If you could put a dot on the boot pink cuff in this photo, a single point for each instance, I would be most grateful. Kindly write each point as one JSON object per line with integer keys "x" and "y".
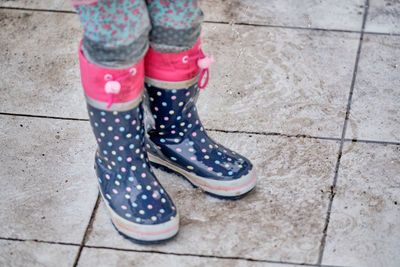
{"x": 177, "y": 67}
{"x": 111, "y": 85}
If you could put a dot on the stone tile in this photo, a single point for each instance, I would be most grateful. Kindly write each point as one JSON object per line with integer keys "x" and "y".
{"x": 278, "y": 80}
{"x": 39, "y": 4}
{"x": 49, "y": 187}
{"x": 331, "y": 14}
{"x": 364, "y": 228}
{"x": 15, "y": 253}
{"x": 383, "y": 16}
{"x": 287, "y": 81}
{"x": 39, "y": 71}
{"x": 106, "y": 257}
{"x": 375, "y": 108}
{"x": 282, "y": 220}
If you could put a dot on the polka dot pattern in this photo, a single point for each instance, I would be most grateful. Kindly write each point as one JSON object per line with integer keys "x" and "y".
{"x": 126, "y": 180}
{"x": 182, "y": 140}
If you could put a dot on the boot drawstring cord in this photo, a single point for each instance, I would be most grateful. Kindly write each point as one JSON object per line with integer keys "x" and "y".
{"x": 113, "y": 85}
{"x": 204, "y": 62}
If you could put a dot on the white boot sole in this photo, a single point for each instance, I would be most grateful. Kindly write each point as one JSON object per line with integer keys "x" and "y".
{"x": 232, "y": 188}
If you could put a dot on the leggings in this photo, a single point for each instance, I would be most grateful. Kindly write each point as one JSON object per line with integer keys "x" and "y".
{"x": 117, "y": 33}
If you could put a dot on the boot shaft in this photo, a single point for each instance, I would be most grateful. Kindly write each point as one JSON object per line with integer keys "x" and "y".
{"x": 174, "y": 111}
{"x": 118, "y": 134}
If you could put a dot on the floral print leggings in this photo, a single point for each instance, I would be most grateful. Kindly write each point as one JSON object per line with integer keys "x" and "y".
{"x": 117, "y": 33}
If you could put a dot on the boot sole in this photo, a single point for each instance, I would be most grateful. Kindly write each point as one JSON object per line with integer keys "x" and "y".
{"x": 144, "y": 234}
{"x": 141, "y": 242}
{"x": 233, "y": 189}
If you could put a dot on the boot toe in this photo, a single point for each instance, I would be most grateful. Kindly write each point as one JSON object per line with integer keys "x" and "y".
{"x": 145, "y": 221}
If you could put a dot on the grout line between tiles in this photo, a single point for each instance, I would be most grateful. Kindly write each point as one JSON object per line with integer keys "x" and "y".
{"x": 301, "y": 28}
{"x": 220, "y": 22}
{"x": 280, "y": 26}
{"x": 382, "y": 33}
{"x": 199, "y": 255}
{"x": 275, "y": 134}
{"x": 38, "y": 241}
{"x": 336, "y": 172}
{"x": 354, "y": 140}
{"x": 88, "y": 230}
{"x": 372, "y": 142}
{"x": 39, "y": 9}
{"x": 42, "y": 116}
{"x": 158, "y": 252}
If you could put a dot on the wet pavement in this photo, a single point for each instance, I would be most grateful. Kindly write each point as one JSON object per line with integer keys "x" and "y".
{"x": 308, "y": 90}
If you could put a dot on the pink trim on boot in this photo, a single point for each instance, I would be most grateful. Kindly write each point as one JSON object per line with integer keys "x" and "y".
{"x": 177, "y": 67}
{"x": 111, "y": 85}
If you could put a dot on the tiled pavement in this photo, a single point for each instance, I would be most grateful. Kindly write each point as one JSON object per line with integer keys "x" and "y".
{"x": 308, "y": 90}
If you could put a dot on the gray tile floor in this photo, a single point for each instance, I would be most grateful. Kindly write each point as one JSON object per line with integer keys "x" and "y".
{"x": 308, "y": 90}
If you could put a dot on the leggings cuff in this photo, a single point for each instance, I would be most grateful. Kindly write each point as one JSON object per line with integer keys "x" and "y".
{"x": 115, "y": 57}
{"x": 168, "y": 40}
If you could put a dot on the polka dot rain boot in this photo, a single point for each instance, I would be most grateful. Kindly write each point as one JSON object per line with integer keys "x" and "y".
{"x": 139, "y": 207}
{"x": 178, "y": 140}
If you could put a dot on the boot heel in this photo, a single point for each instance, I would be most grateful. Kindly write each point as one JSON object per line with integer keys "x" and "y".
{"x": 168, "y": 170}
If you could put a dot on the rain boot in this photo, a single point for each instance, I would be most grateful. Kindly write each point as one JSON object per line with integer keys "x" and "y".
{"x": 139, "y": 207}
{"x": 178, "y": 140}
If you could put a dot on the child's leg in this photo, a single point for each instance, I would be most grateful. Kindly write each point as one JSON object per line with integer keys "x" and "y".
{"x": 176, "y": 25}
{"x": 175, "y": 66}
{"x": 112, "y": 73}
{"x": 116, "y": 32}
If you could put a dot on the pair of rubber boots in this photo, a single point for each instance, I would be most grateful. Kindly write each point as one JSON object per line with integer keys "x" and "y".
{"x": 140, "y": 208}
